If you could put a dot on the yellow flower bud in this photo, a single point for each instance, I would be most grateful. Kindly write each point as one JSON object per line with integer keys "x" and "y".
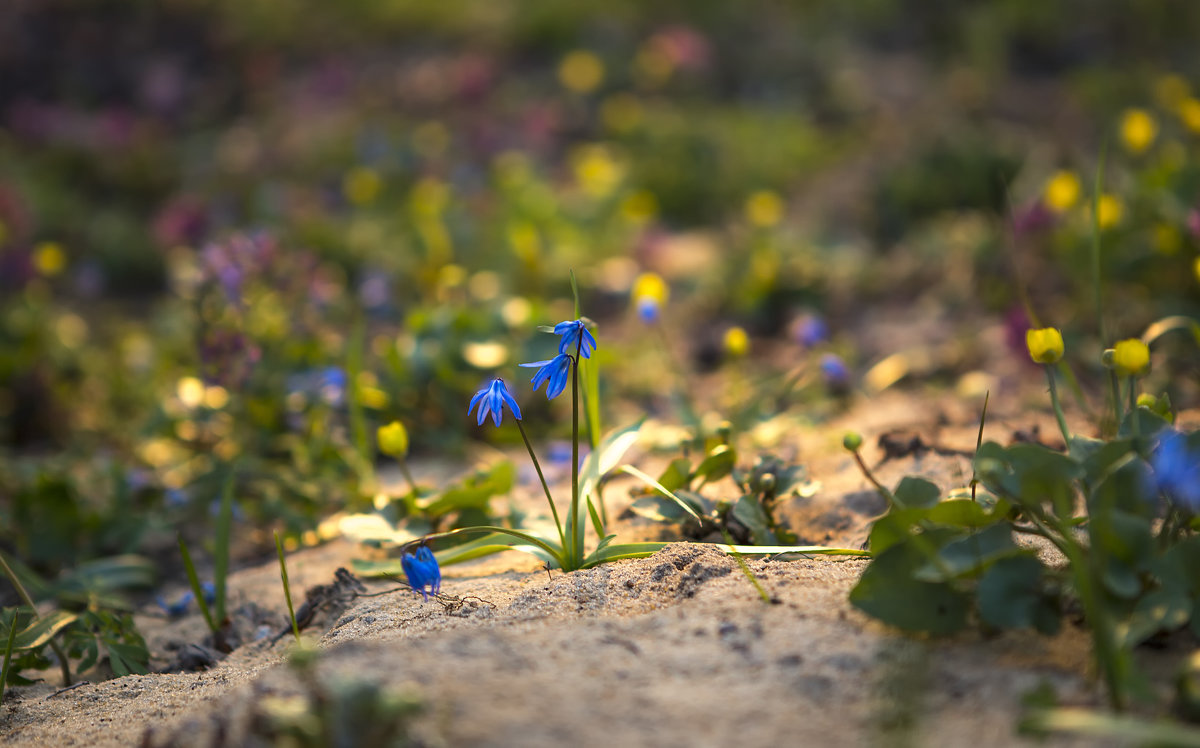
{"x": 650, "y": 286}
{"x": 1138, "y": 130}
{"x": 1045, "y": 345}
{"x": 1131, "y": 357}
{"x": 1062, "y": 191}
{"x": 393, "y": 439}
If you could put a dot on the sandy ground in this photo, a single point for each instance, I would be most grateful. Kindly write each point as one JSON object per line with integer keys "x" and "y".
{"x": 675, "y": 649}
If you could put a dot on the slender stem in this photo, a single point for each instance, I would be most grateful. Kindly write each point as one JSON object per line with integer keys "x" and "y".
{"x": 538, "y": 467}
{"x": 866, "y": 471}
{"x": 1135, "y": 422}
{"x": 1115, "y": 385}
{"x": 412, "y": 484}
{"x": 1062, "y": 421}
{"x": 287, "y": 590}
{"x": 576, "y": 527}
{"x": 16, "y": 582}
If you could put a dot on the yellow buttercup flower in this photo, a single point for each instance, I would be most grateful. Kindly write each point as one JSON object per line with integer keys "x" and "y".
{"x": 49, "y": 258}
{"x": 737, "y": 342}
{"x": 1045, "y": 345}
{"x": 1131, "y": 357}
{"x": 1189, "y": 114}
{"x": 1138, "y": 130}
{"x": 1061, "y": 191}
{"x": 393, "y": 439}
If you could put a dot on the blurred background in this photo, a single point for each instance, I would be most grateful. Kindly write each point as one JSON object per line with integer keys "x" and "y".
{"x": 251, "y": 231}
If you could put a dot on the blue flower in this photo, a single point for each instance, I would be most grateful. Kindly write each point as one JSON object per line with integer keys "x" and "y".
{"x": 647, "y": 309}
{"x": 175, "y": 609}
{"x": 555, "y": 370}
{"x": 572, "y": 331}
{"x": 810, "y": 331}
{"x": 1178, "y": 470}
{"x": 492, "y": 399}
{"x": 421, "y": 568}
{"x": 834, "y": 371}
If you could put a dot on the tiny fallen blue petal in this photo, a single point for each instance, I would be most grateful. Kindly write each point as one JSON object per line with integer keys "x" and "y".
{"x": 556, "y": 371}
{"x": 424, "y": 574}
{"x": 1177, "y": 470}
{"x": 575, "y": 335}
{"x": 492, "y": 399}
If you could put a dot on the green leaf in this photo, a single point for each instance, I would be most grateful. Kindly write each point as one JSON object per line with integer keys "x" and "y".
{"x": 1010, "y": 594}
{"x": 962, "y": 513}
{"x": 600, "y": 461}
{"x": 1164, "y": 609}
{"x": 889, "y": 591}
{"x": 718, "y": 464}
{"x": 1149, "y": 423}
{"x": 661, "y": 509}
{"x": 631, "y": 470}
{"x": 754, "y": 518}
{"x": 677, "y": 474}
{"x": 916, "y": 493}
{"x": 970, "y": 555}
{"x": 41, "y": 630}
{"x": 472, "y": 492}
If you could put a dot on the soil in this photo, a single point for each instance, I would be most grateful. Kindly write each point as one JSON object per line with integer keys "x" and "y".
{"x": 674, "y": 649}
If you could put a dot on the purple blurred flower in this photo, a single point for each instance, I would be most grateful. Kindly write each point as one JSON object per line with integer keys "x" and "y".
{"x": 1033, "y": 218}
{"x": 810, "y": 330}
{"x": 834, "y": 372}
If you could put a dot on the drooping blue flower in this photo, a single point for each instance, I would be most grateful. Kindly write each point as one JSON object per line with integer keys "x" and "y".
{"x": 1177, "y": 470}
{"x": 492, "y": 399}
{"x": 556, "y": 370}
{"x": 177, "y": 608}
{"x": 572, "y": 331}
{"x": 810, "y": 331}
{"x": 421, "y": 568}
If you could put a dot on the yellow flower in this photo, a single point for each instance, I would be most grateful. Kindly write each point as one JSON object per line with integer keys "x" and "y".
{"x": 1131, "y": 357}
{"x": 1045, "y": 345}
{"x": 1109, "y": 211}
{"x": 1061, "y": 191}
{"x": 764, "y": 208}
{"x": 393, "y": 439}
{"x": 1138, "y": 130}
{"x": 1196, "y": 269}
{"x": 49, "y": 258}
{"x": 581, "y": 71}
{"x": 650, "y": 286}
{"x": 737, "y": 342}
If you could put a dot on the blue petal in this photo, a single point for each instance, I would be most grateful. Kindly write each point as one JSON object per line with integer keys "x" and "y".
{"x": 588, "y": 340}
{"x": 559, "y": 381}
{"x": 540, "y": 376}
{"x": 475, "y": 400}
{"x": 536, "y": 364}
{"x": 562, "y": 328}
{"x": 483, "y": 411}
{"x": 512, "y": 404}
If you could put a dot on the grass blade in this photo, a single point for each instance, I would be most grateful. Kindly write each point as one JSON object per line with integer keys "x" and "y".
{"x": 8, "y": 650}
{"x": 1087, "y": 723}
{"x": 762, "y": 592}
{"x": 287, "y": 590}
{"x": 194, "y": 581}
{"x": 631, "y": 470}
{"x": 221, "y": 549}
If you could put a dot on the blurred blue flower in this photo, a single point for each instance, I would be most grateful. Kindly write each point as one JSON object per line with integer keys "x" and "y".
{"x": 177, "y": 608}
{"x": 834, "y": 371}
{"x": 210, "y": 593}
{"x": 810, "y": 330}
{"x": 572, "y": 331}
{"x": 647, "y": 309}
{"x": 421, "y": 568}
{"x": 492, "y": 399}
{"x": 555, "y": 370}
{"x": 1177, "y": 470}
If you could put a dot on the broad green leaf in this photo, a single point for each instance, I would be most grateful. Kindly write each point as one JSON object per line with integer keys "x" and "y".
{"x": 600, "y": 461}
{"x": 754, "y": 518}
{"x": 718, "y": 464}
{"x": 677, "y": 474}
{"x": 1164, "y": 609}
{"x": 1010, "y": 595}
{"x": 970, "y": 555}
{"x": 661, "y": 509}
{"x": 889, "y": 591}
{"x": 42, "y": 630}
{"x": 1149, "y": 423}
{"x": 916, "y": 493}
{"x": 961, "y": 513}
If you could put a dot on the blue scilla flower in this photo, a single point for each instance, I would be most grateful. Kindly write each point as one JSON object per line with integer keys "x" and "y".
{"x": 647, "y": 309}
{"x": 421, "y": 568}
{"x": 810, "y": 331}
{"x": 1177, "y": 470}
{"x": 575, "y": 335}
{"x": 492, "y": 399}
{"x": 177, "y": 608}
{"x": 834, "y": 371}
{"x": 555, "y": 370}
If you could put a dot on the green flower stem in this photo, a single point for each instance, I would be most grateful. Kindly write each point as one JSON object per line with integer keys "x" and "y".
{"x": 575, "y": 526}
{"x": 16, "y": 582}
{"x": 866, "y": 471}
{"x": 412, "y": 484}
{"x": 1115, "y": 385}
{"x": 1136, "y": 422}
{"x": 1058, "y": 413}
{"x": 537, "y": 466}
